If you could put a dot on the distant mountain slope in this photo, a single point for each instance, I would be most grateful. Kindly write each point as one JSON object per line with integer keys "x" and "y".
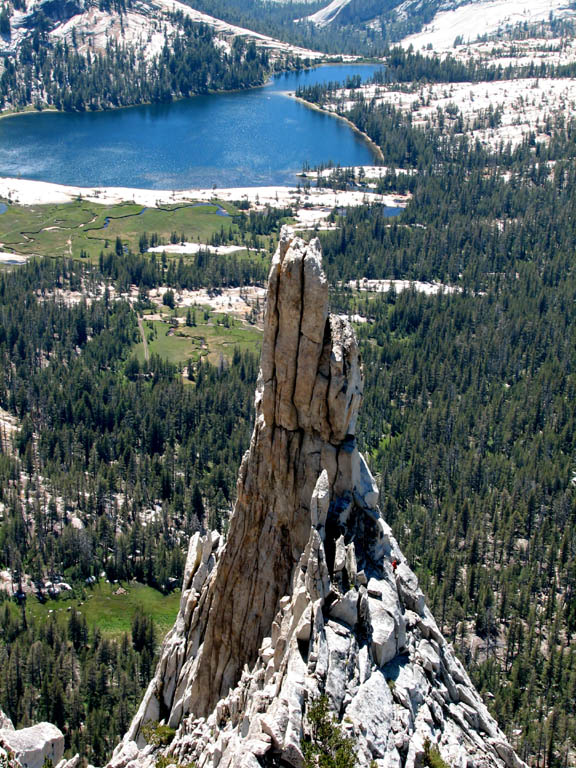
{"x": 483, "y": 17}
{"x": 145, "y": 23}
{"x": 81, "y": 54}
{"x": 437, "y": 22}
{"x": 395, "y": 17}
{"x": 326, "y": 15}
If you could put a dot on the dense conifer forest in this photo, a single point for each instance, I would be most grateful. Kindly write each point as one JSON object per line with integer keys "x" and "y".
{"x": 469, "y": 417}
{"x": 362, "y": 27}
{"x": 140, "y": 455}
{"x": 74, "y": 677}
{"x": 59, "y": 75}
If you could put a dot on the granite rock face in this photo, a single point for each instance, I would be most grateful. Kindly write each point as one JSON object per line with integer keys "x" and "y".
{"x": 32, "y": 746}
{"x": 310, "y": 594}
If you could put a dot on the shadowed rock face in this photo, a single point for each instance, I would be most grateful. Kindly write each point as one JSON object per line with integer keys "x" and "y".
{"x": 55, "y": 10}
{"x": 310, "y": 594}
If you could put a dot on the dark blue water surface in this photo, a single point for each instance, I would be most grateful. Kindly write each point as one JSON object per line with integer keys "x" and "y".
{"x": 250, "y": 138}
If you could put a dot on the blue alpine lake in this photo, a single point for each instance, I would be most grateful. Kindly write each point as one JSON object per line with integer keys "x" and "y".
{"x": 248, "y": 138}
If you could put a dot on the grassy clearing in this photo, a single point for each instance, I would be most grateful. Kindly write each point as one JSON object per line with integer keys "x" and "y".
{"x": 112, "y": 613}
{"x": 86, "y": 228}
{"x": 210, "y": 338}
{"x": 172, "y": 348}
{"x": 43, "y": 229}
{"x": 197, "y": 223}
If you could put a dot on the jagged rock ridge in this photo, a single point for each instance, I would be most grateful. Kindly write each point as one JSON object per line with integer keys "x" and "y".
{"x": 310, "y": 593}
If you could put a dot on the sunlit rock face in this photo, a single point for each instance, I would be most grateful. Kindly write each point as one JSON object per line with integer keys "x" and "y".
{"x": 309, "y": 594}
{"x": 32, "y": 746}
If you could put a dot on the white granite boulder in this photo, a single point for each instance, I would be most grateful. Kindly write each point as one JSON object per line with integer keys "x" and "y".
{"x": 32, "y": 746}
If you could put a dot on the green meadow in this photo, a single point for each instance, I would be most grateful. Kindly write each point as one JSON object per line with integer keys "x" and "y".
{"x": 215, "y": 335}
{"x": 83, "y": 228}
{"x": 111, "y": 607}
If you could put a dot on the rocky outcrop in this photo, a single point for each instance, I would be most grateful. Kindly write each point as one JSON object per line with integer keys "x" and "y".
{"x": 32, "y": 746}
{"x": 58, "y": 11}
{"x": 310, "y": 594}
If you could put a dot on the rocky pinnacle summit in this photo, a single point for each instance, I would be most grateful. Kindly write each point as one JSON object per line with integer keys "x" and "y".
{"x": 309, "y": 595}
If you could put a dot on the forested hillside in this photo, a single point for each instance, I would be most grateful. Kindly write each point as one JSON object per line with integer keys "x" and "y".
{"x": 363, "y": 27}
{"x": 469, "y": 418}
{"x": 112, "y": 469}
{"x": 48, "y": 74}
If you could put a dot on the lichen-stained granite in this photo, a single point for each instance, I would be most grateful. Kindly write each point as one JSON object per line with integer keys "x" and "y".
{"x": 310, "y": 594}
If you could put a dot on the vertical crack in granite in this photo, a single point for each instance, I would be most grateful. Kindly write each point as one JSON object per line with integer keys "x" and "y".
{"x": 310, "y": 594}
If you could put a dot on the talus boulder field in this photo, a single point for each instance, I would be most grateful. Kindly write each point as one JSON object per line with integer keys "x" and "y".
{"x": 309, "y": 595}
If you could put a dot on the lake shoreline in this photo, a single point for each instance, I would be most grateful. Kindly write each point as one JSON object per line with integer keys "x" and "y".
{"x": 25, "y": 192}
{"x": 371, "y": 143}
{"x": 245, "y": 136}
{"x": 6, "y": 114}
{"x": 32, "y": 110}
